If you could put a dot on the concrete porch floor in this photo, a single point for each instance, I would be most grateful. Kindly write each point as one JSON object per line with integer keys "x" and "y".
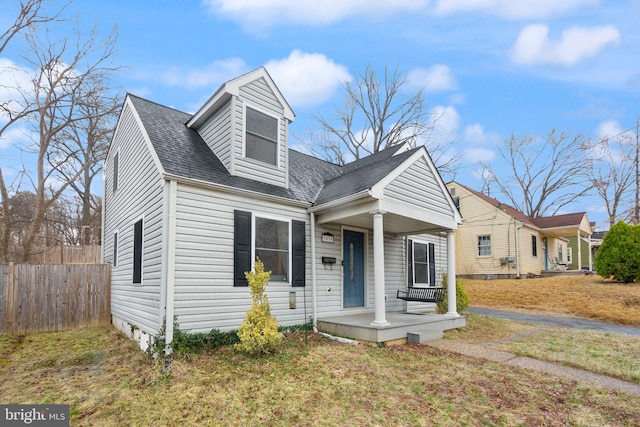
{"x": 414, "y": 327}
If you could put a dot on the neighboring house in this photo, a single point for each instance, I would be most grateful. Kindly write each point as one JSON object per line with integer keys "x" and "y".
{"x": 191, "y": 200}
{"x": 497, "y": 240}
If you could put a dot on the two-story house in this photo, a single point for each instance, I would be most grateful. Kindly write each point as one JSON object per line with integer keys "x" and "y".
{"x": 191, "y": 200}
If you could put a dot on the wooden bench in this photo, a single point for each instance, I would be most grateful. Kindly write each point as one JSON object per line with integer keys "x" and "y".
{"x": 430, "y": 294}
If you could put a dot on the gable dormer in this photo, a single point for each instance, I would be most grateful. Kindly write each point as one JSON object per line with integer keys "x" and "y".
{"x": 246, "y": 124}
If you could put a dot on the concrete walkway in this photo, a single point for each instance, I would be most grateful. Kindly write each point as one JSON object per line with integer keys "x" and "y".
{"x": 483, "y": 351}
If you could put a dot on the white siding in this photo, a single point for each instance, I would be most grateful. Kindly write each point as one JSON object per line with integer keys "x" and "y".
{"x": 205, "y": 297}
{"x": 420, "y": 187}
{"x": 259, "y": 95}
{"x": 139, "y": 195}
{"x": 217, "y": 134}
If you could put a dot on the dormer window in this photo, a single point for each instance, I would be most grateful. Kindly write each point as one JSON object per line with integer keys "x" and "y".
{"x": 261, "y": 137}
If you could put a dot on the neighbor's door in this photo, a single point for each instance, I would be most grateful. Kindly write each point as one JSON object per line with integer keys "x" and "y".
{"x": 353, "y": 268}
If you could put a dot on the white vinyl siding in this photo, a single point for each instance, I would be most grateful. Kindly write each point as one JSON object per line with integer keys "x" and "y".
{"x": 205, "y": 295}
{"x": 217, "y": 133}
{"x": 139, "y": 195}
{"x": 418, "y": 186}
{"x": 259, "y": 96}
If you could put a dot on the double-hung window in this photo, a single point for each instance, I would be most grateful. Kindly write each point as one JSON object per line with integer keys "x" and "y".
{"x": 422, "y": 267}
{"x": 279, "y": 243}
{"x": 261, "y": 136}
{"x": 484, "y": 245}
{"x": 271, "y": 245}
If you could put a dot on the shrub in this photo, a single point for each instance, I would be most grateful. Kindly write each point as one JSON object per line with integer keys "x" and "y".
{"x": 462, "y": 298}
{"x": 259, "y": 331}
{"x": 617, "y": 257}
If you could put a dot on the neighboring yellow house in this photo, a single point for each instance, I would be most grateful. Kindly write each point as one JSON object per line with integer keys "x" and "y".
{"x": 497, "y": 240}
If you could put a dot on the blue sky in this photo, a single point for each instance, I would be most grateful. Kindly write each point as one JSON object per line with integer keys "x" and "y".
{"x": 490, "y": 68}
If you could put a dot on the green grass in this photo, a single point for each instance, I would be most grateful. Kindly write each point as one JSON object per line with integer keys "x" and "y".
{"x": 108, "y": 381}
{"x": 601, "y": 352}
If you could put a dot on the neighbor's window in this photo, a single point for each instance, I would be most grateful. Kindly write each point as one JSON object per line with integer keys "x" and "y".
{"x": 272, "y": 246}
{"x": 137, "y": 252}
{"x": 534, "y": 245}
{"x": 484, "y": 245}
{"x": 261, "y": 138}
{"x": 569, "y": 255}
{"x": 560, "y": 258}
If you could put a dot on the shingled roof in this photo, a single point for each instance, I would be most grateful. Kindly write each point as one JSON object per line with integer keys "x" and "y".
{"x": 544, "y": 222}
{"x": 182, "y": 152}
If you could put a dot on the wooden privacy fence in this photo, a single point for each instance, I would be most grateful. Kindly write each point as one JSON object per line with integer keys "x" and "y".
{"x": 38, "y": 298}
{"x": 81, "y": 254}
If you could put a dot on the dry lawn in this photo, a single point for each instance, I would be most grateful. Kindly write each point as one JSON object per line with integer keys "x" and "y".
{"x": 577, "y": 296}
{"x": 109, "y": 382}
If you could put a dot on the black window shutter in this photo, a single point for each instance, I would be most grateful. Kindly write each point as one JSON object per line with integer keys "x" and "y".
{"x": 410, "y": 263}
{"x": 137, "y": 252}
{"x": 432, "y": 264}
{"x": 241, "y": 247}
{"x": 299, "y": 259}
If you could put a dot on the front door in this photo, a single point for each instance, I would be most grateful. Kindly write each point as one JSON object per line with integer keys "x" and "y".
{"x": 353, "y": 268}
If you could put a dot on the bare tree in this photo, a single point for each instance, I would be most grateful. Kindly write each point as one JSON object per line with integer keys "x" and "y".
{"x": 378, "y": 112}
{"x": 85, "y": 143}
{"x": 32, "y": 13}
{"x": 542, "y": 176}
{"x": 612, "y": 173}
{"x": 69, "y": 72}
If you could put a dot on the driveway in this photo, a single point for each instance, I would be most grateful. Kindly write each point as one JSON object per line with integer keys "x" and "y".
{"x": 559, "y": 322}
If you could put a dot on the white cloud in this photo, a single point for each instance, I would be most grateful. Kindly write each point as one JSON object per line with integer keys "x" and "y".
{"x": 307, "y": 79}
{"x": 437, "y": 78}
{"x": 15, "y": 82}
{"x": 16, "y": 136}
{"x": 513, "y": 9}
{"x": 476, "y": 134}
{"x": 608, "y": 129}
{"x": 445, "y": 121}
{"x": 214, "y": 74}
{"x": 256, "y": 15}
{"x": 475, "y": 155}
{"x": 576, "y": 43}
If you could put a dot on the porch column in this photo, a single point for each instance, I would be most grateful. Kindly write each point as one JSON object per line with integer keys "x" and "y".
{"x": 579, "y": 250}
{"x": 451, "y": 275}
{"x": 378, "y": 269}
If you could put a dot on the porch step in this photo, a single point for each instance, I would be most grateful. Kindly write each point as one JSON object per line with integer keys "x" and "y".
{"x": 424, "y": 336}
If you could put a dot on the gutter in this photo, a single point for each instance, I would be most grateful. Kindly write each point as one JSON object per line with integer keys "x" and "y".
{"x": 236, "y": 190}
{"x": 342, "y": 201}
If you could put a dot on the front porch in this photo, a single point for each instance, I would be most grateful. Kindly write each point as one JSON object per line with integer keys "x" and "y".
{"x": 413, "y": 327}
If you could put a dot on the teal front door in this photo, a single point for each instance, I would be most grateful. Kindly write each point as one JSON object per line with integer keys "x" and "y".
{"x": 353, "y": 268}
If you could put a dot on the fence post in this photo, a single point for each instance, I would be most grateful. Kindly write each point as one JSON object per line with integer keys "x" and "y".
{"x": 10, "y": 304}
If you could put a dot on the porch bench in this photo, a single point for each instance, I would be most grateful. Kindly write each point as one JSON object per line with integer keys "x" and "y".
{"x": 429, "y": 294}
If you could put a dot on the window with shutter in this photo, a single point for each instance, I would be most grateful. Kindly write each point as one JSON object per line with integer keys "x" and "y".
{"x": 137, "y": 251}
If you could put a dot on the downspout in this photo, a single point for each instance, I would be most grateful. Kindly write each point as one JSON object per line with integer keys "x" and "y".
{"x": 314, "y": 314}
{"x": 518, "y": 250}
{"x": 171, "y": 264}
{"x": 104, "y": 208}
